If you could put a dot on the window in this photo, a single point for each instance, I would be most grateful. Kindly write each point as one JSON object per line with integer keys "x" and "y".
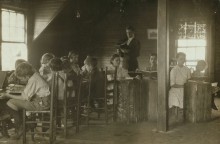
{"x": 192, "y": 41}
{"x": 13, "y": 45}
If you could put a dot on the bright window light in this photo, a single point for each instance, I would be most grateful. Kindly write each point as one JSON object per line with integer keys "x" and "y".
{"x": 10, "y": 53}
{"x": 195, "y": 49}
{"x": 13, "y": 38}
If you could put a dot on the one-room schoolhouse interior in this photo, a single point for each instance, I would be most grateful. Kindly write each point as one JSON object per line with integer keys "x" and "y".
{"x": 110, "y": 71}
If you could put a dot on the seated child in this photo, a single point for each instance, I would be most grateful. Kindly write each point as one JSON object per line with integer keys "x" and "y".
{"x": 115, "y": 63}
{"x": 178, "y": 77}
{"x": 199, "y": 74}
{"x": 36, "y": 95}
{"x": 74, "y": 58}
{"x": 44, "y": 70}
{"x": 96, "y": 79}
{"x": 72, "y": 78}
{"x": 55, "y": 65}
{"x": 200, "y": 68}
{"x": 152, "y": 66}
{"x": 12, "y": 78}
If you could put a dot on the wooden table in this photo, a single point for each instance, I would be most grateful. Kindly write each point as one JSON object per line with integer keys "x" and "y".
{"x": 197, "y": 101}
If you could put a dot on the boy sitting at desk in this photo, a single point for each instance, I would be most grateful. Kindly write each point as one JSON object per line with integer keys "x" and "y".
{"x": 35, "y": 96}
{"x": 96, "y": 80}
{"x": 44, "y": 70}
{"x": 152, "y": 66}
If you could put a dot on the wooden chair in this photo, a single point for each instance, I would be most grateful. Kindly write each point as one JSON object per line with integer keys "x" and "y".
{"x": 3, "y": 126}
{"x": 70, "y": 107}
{"x": 109, "y": 94}
{"x": 41, "y": 119}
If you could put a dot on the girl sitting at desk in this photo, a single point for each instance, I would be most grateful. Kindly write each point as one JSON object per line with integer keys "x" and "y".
{"x": 178, "y": 77}
{"x": 34, "y": 97}
{"x": 116, "y": 63}
{"x": 12, "y": 78}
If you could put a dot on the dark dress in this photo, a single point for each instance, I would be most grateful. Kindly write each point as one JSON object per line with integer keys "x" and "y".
{"x": 96, "y": 87}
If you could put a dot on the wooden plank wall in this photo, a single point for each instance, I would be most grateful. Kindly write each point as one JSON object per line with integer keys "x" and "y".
{"x": 111, "y": 29}
{"x": 45, "y": 11}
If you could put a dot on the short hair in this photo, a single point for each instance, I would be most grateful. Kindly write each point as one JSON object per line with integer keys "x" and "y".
{"x": 24, "y": 69}
{"x": 19, "y": 61}
{"x": 91, "y": 61}
{"x": 153, "y": 54}
{"x": 131, "y": 28}
{"x": 202, "y": 62}
{"x": 113, "y": 57}
{"x": 46, "y": 58}
{"x": 66, "y": 64}
{"x": 55, "y": 64}
{"x": 71, "y": 53}
{"x": 179, "y": 54}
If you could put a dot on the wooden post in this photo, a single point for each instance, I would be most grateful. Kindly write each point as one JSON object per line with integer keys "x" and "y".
{"x": 163, "y": 65}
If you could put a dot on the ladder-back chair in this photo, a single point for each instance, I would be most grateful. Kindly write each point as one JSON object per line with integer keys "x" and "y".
{"x": 44, "y": 118}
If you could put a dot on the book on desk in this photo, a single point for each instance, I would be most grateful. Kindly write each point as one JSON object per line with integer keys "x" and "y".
{"x": 150, "y": 74}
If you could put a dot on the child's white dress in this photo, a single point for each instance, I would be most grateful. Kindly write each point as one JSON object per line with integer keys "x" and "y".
{"x": 178, "y": 75}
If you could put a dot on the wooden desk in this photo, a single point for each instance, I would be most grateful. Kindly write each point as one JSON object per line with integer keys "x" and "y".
{"x": 152, "y": 94}
{"x": 132, "y": 100}
{"x": 197, "y": 101}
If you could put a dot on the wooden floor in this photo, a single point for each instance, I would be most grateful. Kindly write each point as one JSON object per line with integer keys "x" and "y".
{"x": 141, "y": 133}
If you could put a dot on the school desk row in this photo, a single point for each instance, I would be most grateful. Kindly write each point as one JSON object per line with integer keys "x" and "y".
{"x": 137, "y": 100}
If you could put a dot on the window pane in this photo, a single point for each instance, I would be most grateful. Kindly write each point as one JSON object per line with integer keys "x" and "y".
{"x": 13, "y": 26}
{"x": 191, "y": 42}
{"x": 5, "y": 18}
{"x": 12, "y": 34}
{"x": 200, "y": 53}
{"x": 10, "y": 53}
{"x": 5, "y": 34}
{"x": 12, "y": 19}
{"x": 181, "y": 50}
{"x": 191, "y": 63}
{"x": 20, "y": 35}
{"x": 190, "y": 54}
{"x": 20, "y": 20}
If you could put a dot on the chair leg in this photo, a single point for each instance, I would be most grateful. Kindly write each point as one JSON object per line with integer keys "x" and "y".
{"x": 32, "y": 134}
{"x": 24, "y": 127}
{"x": 77, "y": 117}
{"x": 106, "y": 112}
{"x": 65, "y": 121}
{"x": 87, "y": 116}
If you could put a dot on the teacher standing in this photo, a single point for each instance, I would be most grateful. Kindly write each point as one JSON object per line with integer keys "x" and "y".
{"x": 130, "y": 49}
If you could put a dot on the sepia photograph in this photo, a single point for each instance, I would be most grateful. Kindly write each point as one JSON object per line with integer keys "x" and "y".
{"x": 109, "y": 71}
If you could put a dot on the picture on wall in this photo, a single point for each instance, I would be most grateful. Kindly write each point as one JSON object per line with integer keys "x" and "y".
{"x": 152, "y": 33}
